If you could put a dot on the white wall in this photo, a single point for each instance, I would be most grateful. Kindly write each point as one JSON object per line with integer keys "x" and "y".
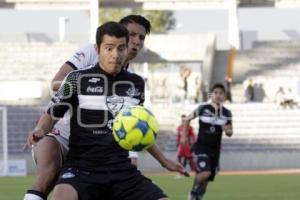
{"x": 15, "y": 23}
{"x": 255, "y": 24}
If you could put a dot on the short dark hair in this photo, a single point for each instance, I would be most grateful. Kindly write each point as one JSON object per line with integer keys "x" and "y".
{"x": 218, "y": 85}
{"x": 112, "y": 29}
{"x": 137, "y": 19}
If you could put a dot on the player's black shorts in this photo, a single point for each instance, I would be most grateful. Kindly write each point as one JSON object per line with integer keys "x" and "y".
{"x": 111, "y": 185}
{"x": 207, "y": 162}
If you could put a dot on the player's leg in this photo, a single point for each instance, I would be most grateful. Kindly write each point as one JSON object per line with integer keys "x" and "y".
{"x": 203, "y": 164}
{"x": 184, "y": 161}
{"x": 179, "y": 158}
{"x": 192, "y": 163}
{"x": 199, "y": 186}
{"x": 64, "y": 192}
{"x": 48, "y": 160}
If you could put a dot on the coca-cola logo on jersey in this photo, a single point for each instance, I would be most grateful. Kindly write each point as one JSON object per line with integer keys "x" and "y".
{"x": 94, "y": 89}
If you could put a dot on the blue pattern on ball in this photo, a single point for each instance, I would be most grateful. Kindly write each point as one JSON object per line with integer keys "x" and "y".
{"x": 143, "y": 126}
{"x": 121, "y": 133}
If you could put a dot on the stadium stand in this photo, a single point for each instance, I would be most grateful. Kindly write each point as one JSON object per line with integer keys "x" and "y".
{"x": 270, "y": 63}
{"x": 30, "y": 66}
{"x": 39, "y": 60}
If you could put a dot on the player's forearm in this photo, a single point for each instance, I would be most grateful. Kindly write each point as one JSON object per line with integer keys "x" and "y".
{"x": 158, "y": 155}
{"x": 45, "y": 124}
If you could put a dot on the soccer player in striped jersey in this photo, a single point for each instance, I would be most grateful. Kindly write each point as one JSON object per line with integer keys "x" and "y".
{"x": 51, "y": 151}
{"x": 214, "y": 119}
{"x": 96, "y": 166}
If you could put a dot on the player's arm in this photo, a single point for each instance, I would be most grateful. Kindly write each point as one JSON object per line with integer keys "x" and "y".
{"x": 227, "y": 128}
{"x": 190, "y": 117}
{"x": 186, "y": 125}
{"x": 165, "y": 162}
{"x": 81, "y": 58}
{"x": 44, "y": 126}
{"x": 192, "y": 134}
{"x": 59, "y": 104}
{"x": 64, "y": 70}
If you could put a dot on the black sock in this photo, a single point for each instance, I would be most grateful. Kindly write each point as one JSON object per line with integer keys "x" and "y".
{"x": 198, "y": 190}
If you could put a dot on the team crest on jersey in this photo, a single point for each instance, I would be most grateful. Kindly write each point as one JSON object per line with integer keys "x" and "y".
{"x": 114, "y": 104}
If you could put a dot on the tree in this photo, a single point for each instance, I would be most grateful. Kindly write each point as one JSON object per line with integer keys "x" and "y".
{"x": 161, "y": 21}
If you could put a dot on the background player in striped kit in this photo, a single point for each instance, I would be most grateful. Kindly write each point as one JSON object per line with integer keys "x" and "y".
{"x": 214, "y": 119}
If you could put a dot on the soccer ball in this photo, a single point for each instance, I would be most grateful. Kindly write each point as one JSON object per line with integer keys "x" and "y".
{"x": 135, "y": 128}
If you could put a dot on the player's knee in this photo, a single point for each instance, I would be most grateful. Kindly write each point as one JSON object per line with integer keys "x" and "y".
{"x": 64, "y": 192}
{"x": 203, "y": 176}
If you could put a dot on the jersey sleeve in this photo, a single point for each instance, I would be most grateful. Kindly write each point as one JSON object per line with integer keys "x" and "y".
{"x": 83, "y": 57}
{"x": 63, "y": 99}
{"x": 197, "y": 111}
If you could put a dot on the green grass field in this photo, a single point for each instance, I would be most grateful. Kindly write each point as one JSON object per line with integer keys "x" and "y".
{"x": 225, "y": 187}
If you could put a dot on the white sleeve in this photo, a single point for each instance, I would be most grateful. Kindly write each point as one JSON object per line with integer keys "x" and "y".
{"x": 133, "y": 154}
{"x": 84, "y": 57}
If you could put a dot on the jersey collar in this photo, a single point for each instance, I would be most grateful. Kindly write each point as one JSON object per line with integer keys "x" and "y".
{"x": 101, "y": 71}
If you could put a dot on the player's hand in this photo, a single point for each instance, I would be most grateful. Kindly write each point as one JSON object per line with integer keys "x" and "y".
{"x": 228, "y": 130}
{"x": 175, "y": 167}
{"x": 33, "y": 138}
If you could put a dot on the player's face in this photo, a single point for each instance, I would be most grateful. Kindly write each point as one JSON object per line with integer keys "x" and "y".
{"x": 112, "y": 54}
{"x": 137, "y": 35}
{"x": 218, "y": 96}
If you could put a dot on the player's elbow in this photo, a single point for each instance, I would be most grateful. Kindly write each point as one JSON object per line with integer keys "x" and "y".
{"x": 55, "y": 85}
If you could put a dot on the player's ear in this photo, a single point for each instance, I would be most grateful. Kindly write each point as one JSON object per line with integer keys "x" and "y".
{"x": 97, "y": 49}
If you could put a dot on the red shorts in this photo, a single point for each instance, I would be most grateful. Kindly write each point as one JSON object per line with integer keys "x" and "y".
{"x": 184, "y": 150}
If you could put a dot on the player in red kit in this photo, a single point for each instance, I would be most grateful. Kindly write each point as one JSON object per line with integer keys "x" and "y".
{"x": 184, "y": 144}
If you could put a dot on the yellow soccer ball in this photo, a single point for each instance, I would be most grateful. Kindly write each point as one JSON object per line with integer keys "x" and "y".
{"x": 135, "y": 128}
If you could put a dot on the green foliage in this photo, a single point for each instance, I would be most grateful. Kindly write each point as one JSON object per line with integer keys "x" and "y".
{"x": 161, "y": 21}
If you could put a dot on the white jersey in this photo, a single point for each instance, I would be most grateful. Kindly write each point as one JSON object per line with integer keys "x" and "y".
{"x": 84, "y": 57}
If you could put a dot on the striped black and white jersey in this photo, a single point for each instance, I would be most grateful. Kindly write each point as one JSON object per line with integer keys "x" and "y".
{"x": 211, "y": 121}
{"x": 83, "y": 58}
{"x": 93, "y": 98}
